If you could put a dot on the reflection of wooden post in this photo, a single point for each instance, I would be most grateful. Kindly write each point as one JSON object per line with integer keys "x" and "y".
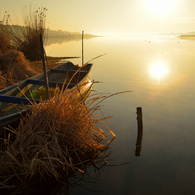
{"x": 140, "y": 131}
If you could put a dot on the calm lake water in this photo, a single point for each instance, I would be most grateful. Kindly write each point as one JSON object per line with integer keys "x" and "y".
{"x": 160, "y": 72}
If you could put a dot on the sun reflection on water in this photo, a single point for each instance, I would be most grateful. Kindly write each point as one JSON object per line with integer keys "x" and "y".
{"x": 158, "y": 71}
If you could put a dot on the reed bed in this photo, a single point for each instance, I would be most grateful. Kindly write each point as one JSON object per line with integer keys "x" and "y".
{"x": 5, "y": 44}
{"x": 34, "y": 21}
{"x": 24, "y": 38}
{"x": 56, "y": 141}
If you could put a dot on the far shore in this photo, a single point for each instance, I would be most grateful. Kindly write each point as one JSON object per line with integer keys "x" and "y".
{"x": 187, "y": 36}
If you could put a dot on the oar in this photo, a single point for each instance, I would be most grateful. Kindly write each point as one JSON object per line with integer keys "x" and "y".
{"x": 44, "y": 68}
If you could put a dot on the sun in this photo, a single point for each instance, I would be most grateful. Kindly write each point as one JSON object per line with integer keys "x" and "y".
{"x": 160, "y": 6}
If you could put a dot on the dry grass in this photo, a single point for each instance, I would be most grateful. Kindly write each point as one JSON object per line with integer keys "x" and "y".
{"x": 5, "y": 44}
{"x": 14, "y": 67}
{"x": 3, "y": 82}
{"x": 56, "y": 141}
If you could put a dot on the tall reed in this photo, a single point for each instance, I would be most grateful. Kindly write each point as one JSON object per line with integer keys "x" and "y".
{"x": 26, "y": 38}
{"x": 5, "y": 44}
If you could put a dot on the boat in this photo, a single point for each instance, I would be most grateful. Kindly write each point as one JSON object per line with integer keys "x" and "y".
{"x": 66, "y": 76}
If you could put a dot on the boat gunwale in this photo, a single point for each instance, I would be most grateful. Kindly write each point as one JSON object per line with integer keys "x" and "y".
{"x": 37, "y": 77}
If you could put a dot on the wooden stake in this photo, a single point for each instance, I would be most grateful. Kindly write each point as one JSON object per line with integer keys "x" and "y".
{"x": 44, "y": 67}
{"x": 82, "y": 48}
{"x": 140, "y": 131}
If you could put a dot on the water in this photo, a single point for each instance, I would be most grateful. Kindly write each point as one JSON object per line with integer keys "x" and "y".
{"x": 161, "y": 73}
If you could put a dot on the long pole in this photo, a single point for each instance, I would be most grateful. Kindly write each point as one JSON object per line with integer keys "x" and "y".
{"x": 44, "y": 68}
{"x": 82, "y": 48}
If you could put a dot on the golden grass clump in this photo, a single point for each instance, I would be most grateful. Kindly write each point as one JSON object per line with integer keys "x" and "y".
{"x": 58, "y": 139}
{"x": 13, "y": 65}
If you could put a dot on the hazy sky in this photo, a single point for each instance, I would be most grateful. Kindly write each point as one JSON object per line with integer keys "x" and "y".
{"x": 111, "y": 16}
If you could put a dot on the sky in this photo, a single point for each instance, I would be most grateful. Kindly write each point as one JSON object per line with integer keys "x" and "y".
{"x": 103, "y": 17}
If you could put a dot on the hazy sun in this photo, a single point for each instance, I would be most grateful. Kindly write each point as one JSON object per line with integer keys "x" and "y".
{"x": 160, "y": 6}
{"x": 158, "y": 70}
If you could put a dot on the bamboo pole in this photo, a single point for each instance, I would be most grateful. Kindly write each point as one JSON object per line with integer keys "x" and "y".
{"x": 44, "y": 68}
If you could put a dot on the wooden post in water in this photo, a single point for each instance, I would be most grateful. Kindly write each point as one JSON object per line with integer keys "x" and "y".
{"x": 82, "y": 48}
{"x": 44, "y": 67}
{"x": 140, "y": 131}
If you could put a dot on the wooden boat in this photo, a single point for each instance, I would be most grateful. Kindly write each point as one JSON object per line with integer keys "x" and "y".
{"x": 32, "y": 89}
